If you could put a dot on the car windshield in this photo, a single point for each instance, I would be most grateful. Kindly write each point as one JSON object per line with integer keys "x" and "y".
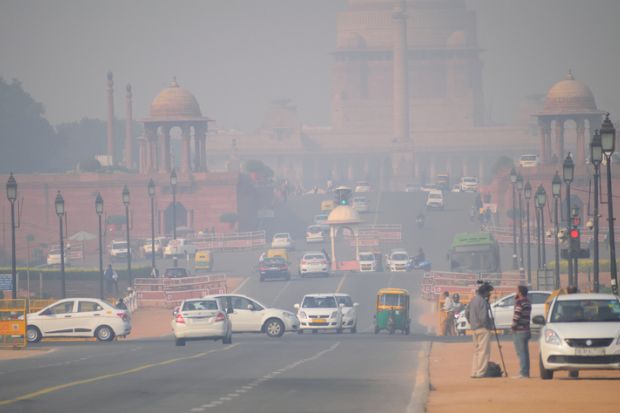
{"x": 197, "y": 305}
{"x": 367, "y": 257}
{"x": 314, "y": 257}
{"x": 400, "y": 256}
{"x": 391, "y": 299}
{"x": 175, "y": 272}
{"x": 434, "y": 196}
{"x": 314, "y": 229}
{"x": 320, "y": 218}
{"x": 319, "y": 302}
{"x": 528, "y": 157}
{"x": 344, "y": 299}
{"x": 470, "y": 180}
{"x": 281, "y": 236}
{"x": 576, "y": 311}
{"x": 273, "y": 261}
{"x": 119, "y": 245}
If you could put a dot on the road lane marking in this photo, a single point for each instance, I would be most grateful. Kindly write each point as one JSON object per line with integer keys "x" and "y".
{"x": 288, "y": 282}
{"x": 59, "y": 387}
{"x": 241, "y": 285}
{"x": 390, "y": 280}
{"x": 243, "y": 389}
{"x": 341, "y": 283}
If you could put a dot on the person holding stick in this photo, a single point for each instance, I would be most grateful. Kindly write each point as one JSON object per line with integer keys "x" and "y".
{"x": 477, "y": 313}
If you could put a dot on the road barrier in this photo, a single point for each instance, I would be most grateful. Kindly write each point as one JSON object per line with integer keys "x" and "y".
{"x": 13, "y": 323}
{"x": 435, "y": 283}
{"x": 374, "y": 235}
{"x": 169, "y": 292}
{"x": 234, "y": 241}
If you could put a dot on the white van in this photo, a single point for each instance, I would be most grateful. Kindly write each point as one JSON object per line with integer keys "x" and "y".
{"x": 528, "y": 161}
{"x": 434, "y": 200}
{"x": 179, "y": 247}
{"x": 469, "y": 184}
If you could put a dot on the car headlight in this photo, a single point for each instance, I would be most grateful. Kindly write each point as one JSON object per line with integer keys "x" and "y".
{"x": 302, "y": 315}
{"x": 334, "y": 314}
{"x": 551, "y": 337}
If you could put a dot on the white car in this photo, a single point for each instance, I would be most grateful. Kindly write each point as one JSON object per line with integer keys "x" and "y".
{"x": 398, "y": 261}
{"x": 327, "y": 312}
{"x": 147, "y": 247}
{"x": 315, "y": 233}
{"x": 118, "y": 250}
{"x": 469, "y": 184}
{"x": 367, "y": 262}
{"x": 312, "y": 263}
{"x": 434, "y": 200}
{"x": 528, "y": 161}
{"x": 581, "y": 332}
{"x": 78, "y": 317}
{"x": 53, "y": 257}
{"x": 179, "y": 247}
{"x": 360, "y": 204}
{"x": 282, "y": 240}
{"x": 321, "y": 219}
{"x": 250, "y": 316}
{"x": 362, "y": 186}
{"x": 503, "y": 310}
{"x": 201, "y": 319}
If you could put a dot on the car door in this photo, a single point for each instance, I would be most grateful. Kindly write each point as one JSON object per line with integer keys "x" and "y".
{"x": 503, "y": 311}
{"x": 243, "y": 318}
{"x": 88, "y": 317}
{"x": 57, "y": 320}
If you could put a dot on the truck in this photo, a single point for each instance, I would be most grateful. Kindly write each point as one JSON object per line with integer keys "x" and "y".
{"x": 474, "y": 252}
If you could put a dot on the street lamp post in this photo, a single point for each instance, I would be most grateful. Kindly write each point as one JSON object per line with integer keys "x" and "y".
{"x": 173, "y": 184}
{"x": 59, "y": 204}
{"x": 575, "y": 221}
{"x": 151, "y": 190}
{"x": 568, "y": 173}
{"x": 527, "y": 194}
{"x": 556, "y": 188}
{"x": 11, "y": 194}
{"x": 608, "y": 144}
{"x": 596, "y": 157}
{"x": 99, "y": 211}
{"x": 126, "y": 203}
{"x": 513, "y": 180}
{"x": 519, "y": 185}
{"x": 541, "y": 201}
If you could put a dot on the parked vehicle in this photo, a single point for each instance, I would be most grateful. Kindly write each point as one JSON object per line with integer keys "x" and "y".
{"x": 203, "y": 260}
{"x": 434, "y": 200}
{"x": 201, "y": 319}
{"x": 326, "y": 312}
{"x": 78, "y": 317}
{"x": 503, "y": 310}
{"x": 118, "y": 250}
{"x": 528, "y": 161}
{"x": 250, "y": 316}
{"x": 314, "y": 263}
{"x": 179, "y": 247}
{"x": 282, "y": 240}
{"x": 581, "y": 332}
{"x": 274, "y": 267}
{"x": 392, "y": 311}
{"x": 315, "y": 233}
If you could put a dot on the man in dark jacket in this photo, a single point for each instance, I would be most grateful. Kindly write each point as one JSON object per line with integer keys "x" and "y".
{"x": 477, "y": 313}
{"x": 521, "y": 331}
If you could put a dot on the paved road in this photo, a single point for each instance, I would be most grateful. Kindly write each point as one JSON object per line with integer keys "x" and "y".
{"x": 296, "y": 373}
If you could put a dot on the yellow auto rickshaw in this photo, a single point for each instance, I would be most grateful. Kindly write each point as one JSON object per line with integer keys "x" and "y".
{"x": 277, "y": 252}
{"x": 203, "y": 260}
{"x": 327, "y": 205}
{"x": 392, "y": 312}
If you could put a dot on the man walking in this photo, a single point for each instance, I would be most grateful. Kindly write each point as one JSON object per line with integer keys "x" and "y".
{"x": 521, "y": 331}
{"x": 448, "y": 309}
{"x": 477, "y": 313}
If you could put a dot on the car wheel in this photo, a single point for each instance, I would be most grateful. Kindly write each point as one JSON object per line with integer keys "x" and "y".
{"x": 33, "y": 334}
{"x": 300, "y": 331}
{"x": 354, "y": 329}
{"x": 274, "y": 327}
{"x": 339, "y": 331}
{"x": 315, "y": 331}
{"x": 104, "y": 333}
{"x": 544, "y": 373}
{"x": 376, "y": 330}
{"x": 179, "y": 342}
{"x": 574, "y": 374}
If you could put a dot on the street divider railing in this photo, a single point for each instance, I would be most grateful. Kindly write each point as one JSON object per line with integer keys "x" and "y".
{"x": 169, "y": 292}
{"x": 375, "y": 235}
{"x": 435, "y": 283}
{"x": 13, "y": 323}
{"x": 234, "y": 241}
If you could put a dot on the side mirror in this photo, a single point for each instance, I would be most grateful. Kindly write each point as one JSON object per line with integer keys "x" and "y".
{"x": 539, "y": 320}
{"x": 296, "y": 306}
{"x": 250, "y": 307}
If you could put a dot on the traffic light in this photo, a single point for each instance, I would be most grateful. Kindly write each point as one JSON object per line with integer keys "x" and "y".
{"x": 575, "y": 241}
{"x": 343, "y": 195}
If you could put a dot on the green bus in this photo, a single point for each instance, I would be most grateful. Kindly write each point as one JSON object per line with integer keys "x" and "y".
{"x": 474, "y": 252}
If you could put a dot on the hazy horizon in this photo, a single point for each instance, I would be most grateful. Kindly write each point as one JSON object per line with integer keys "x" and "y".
{"x": 236, "y": 56}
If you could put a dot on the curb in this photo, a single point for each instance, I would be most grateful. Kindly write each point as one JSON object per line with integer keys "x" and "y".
{"x": 419, "y": 396}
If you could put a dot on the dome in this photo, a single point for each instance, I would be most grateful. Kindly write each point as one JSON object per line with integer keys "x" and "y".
{"x": 175, "y": 103}
{"x": 343, "y": 214}
{"x": 569, "y": 96}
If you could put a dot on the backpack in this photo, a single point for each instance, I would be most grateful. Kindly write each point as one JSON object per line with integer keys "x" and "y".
{"x": 493, "y": 370}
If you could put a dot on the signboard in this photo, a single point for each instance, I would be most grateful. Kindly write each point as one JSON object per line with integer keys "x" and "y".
{"x": 6, "y": 282}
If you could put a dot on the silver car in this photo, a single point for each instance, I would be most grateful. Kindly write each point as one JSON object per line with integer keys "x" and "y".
{"x": 314, "y": 263}
{"x": 201, "y": 319}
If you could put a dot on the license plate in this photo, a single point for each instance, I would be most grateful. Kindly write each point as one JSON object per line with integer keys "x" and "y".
{"x": 320, "y": 320}
{"x": 589, "y": 351}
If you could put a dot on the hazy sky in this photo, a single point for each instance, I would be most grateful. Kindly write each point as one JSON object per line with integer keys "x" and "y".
{"x": 236, "y": 56}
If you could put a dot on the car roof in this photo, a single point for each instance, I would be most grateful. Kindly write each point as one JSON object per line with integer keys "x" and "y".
{"x": 342, "y": 295}
{"x": 281, "y": 234}
{"x": 320, "y": 295}
{"x": 314, "y": 252}
{"x": 586, "y": 296}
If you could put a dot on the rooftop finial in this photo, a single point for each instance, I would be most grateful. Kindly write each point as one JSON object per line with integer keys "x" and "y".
{"x": 569, "y": 75}
{"x": 174, "y": 82}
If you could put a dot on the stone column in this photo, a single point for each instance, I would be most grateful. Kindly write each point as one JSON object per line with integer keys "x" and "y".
{"x": 110, "y": 125}
{"x": 166, "y": 164}
{"x": 128, "y": 129}
{"x": 196, "y": 151}
{"x": 401, "y": 75}
{"x": 185, "y": 149}
{"x": 142, "y": 144}
{"x": 559, "y": 139}
{"x": 150, "y": 143}
{"x": 545, "y": 141}
{"x": 580, "y": 155}
{"x": 200, "y": 134}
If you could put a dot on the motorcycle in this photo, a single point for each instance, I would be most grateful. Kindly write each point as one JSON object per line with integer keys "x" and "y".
{"x": 418, "y": 264}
